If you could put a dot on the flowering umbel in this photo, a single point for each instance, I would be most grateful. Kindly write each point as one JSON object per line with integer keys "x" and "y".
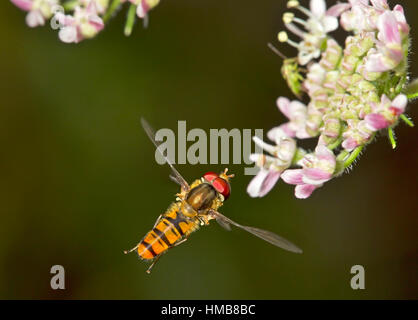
{"x": 353, "y": 91}
{"x": 82, "y": 19}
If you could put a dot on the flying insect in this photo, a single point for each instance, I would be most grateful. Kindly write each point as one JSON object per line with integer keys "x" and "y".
{"x": 195, "y": 206}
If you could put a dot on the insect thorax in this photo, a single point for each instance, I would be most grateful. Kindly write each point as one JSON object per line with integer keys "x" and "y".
{"x": 201, "y": 197}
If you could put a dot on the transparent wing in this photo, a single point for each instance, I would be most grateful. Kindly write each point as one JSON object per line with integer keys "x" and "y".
{"x": 177, "y": 177}
{"x": 224, "y": 224}
{"x": 265, "y": 235}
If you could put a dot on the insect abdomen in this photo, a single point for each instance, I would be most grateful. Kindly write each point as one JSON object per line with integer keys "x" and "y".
{"x": 170, "y": 229}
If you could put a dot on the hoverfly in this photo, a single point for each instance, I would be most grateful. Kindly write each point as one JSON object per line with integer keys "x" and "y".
{"x": 195, "y": 206}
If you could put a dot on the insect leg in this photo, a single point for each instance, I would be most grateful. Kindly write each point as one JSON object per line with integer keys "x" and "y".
{"x": 179, "y": 182}
{"x": 133, "y": 249}
{"x": 158, "y": 220}
{"x": 153, "y": 263}
{"x": 158, "y": 257}
{"x": 180, "y": 242}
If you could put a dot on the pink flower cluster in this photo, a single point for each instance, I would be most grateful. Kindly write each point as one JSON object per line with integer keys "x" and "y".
{"x": 84, "y": 23}
{"x": 77, "y": 19}
{"x": 143, "y": 6}
{"x": 38, "y": 10}
{"x": 352, "y": 91}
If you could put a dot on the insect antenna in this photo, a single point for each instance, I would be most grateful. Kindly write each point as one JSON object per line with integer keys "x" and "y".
{"x": 276, "y": 51}
{"x": 228, "y": 176}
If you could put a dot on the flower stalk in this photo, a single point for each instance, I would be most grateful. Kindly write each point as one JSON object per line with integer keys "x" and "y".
{"x": 70, "y": 5}
{"x": 130, "y": 21}
{"x": 392, "y": 138}
{"x": 407, "y": 120}
{"x": 353, "y": 157}
{"x": 114, "y": 6}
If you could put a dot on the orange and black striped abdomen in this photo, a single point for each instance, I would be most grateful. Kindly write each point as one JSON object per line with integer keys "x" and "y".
{"x": 170, "y": 229}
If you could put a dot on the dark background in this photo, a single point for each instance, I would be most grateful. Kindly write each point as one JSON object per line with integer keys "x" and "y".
{"x": 79, "y": 184}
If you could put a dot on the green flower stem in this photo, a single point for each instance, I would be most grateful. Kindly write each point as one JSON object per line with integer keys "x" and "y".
{"x": 299, "y": 155}
{"x": 111, "y": 10}
{"x": 70, "y": 5}
{"x": 412, "y": 95}
{"x": 411, "y": 90}
{"x": 353, "y": 156}
{"x": 339, "y": 169}
{"x": 130, "y": 21}
{"x": 336, "y": 143}
{"x": 407, "y": 120}
{"x": 400, "y": 85}
{"x": 343, "y": 154}
{"x": 392, "y": 138}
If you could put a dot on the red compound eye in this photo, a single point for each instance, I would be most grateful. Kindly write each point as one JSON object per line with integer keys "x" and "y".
{"x": 222, "y": 186}
{"x": 210, "y": 176}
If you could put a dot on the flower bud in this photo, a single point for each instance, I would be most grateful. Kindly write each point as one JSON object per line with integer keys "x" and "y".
{"x": 331, "y": 129}
{"x": 331, "y": 82}
{"x": 331, "y": 56}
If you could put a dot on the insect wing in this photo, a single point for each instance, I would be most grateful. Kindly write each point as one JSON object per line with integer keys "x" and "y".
{"x": 224, "y": 224}
{"x": 177, "y": 177}
{"x": 175, "y": 180}
{"x": 265, "y": 235}
{"x": 273, "y": 238}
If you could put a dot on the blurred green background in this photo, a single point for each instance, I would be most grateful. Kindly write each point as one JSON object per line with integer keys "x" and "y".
{"x": 79, "y": 183}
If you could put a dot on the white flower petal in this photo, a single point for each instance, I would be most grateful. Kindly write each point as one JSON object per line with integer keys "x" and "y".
{"x": 318, "y": 8}
{"x": 304, "y": 191}
{"x": 254, "y": 187}
{"x": 68, "y": 34}
{"x": 140, "y": 11}
{"x": 34, "y": 19}
{"x": 265, "y": 146}
{"x": 400, "y": 103}
{"x": 330, "y": 23}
